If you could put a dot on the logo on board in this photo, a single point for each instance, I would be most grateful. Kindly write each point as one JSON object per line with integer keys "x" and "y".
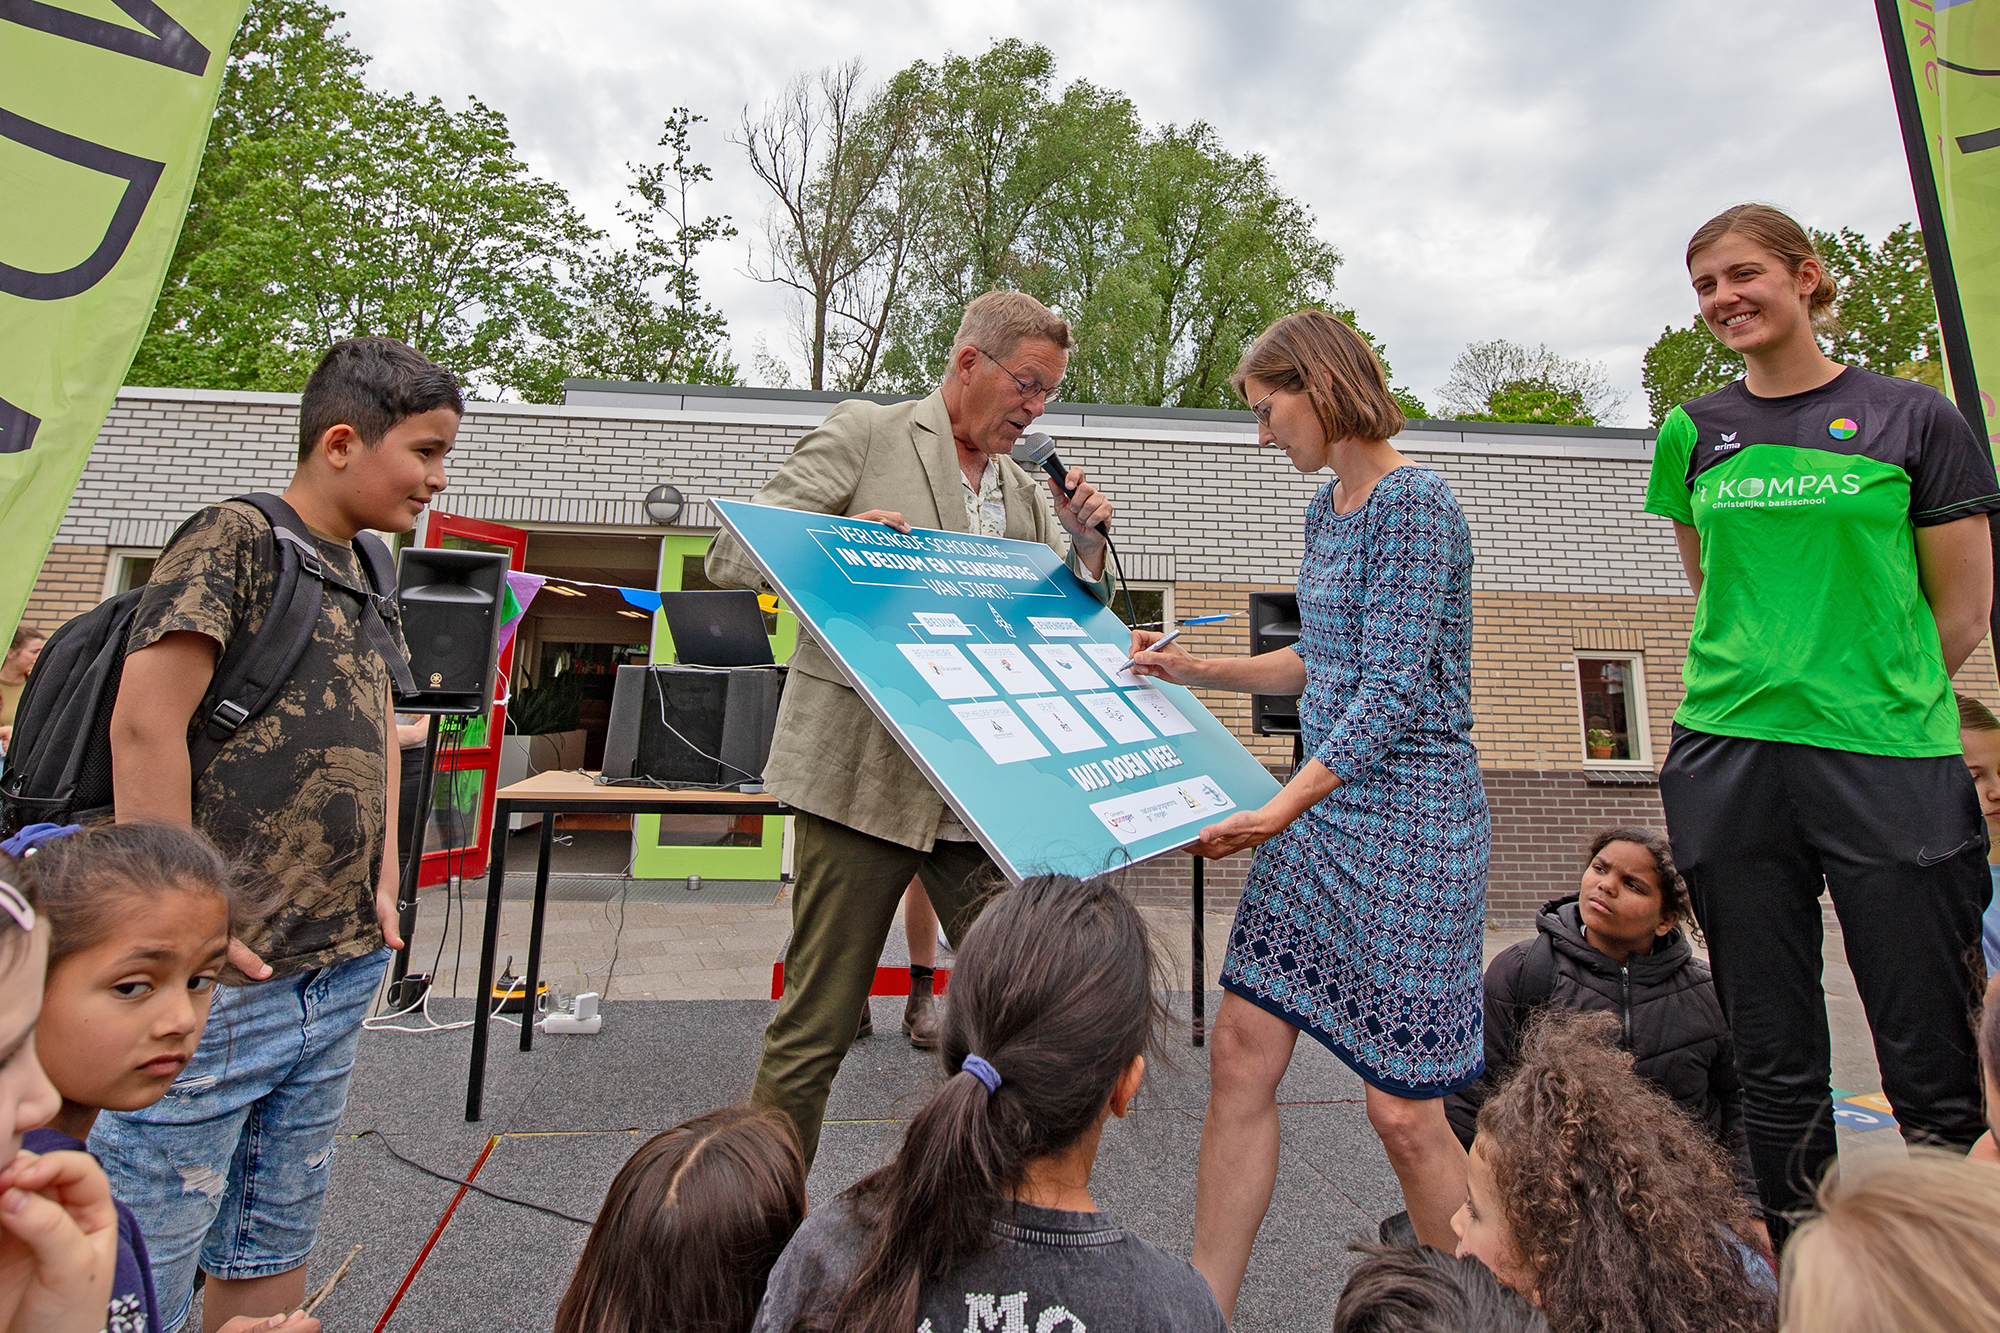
{"x": 1843, "y": 428}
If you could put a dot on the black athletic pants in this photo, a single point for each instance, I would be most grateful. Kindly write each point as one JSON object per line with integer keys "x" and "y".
{"x": 1759, "y": 828}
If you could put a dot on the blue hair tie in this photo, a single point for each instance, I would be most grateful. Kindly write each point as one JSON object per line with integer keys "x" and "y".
{"x": 34, "y": 835}
{"x": 982, "y": 1071}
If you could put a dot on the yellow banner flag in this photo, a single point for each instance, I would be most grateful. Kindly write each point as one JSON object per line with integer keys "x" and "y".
{"x": 1944, "y": 63}
{"x": 104, "y": 109}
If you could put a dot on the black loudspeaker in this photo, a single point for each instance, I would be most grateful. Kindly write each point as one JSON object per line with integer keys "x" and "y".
{"x": 450, "y": 604}
{"x": 693, "y": 726}
{"x": 1274, "y": 624}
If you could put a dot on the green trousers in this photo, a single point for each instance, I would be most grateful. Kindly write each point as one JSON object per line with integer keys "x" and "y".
{"x": 844, "y": 897}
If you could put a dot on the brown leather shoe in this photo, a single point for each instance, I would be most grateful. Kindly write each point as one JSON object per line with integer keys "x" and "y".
{"x": 920, "y": 1021}
{"x": 866, "y": 1027}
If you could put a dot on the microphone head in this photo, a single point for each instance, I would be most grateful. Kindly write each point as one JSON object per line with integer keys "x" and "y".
{"x": 1033, "y": 449}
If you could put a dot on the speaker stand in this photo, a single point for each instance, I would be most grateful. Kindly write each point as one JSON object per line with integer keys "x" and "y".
{"x": 406, "y": 892}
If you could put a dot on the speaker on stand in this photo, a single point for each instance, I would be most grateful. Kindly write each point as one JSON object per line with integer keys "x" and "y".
{"x": 449, "y": 602}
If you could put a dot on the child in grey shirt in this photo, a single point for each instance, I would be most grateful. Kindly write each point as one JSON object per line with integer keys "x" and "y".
{"x": 1044, "y": 1038}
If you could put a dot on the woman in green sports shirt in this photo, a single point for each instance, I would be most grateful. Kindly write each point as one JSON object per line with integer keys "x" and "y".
{"x": 1833, "y": 526}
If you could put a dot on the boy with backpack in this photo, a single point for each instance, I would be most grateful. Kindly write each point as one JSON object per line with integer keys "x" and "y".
{"x": 229, "y": 1170}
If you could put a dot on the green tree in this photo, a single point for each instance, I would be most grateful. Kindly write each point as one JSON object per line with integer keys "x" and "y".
{"x": 330, "y": 210}
{"x": 1211, "y": 252}
{"x": 845, "y": 217}
{"x": 1508, "y": 381}
{"x": 1888, "y": 316}
{"x": 1534, "y": 401}
{"x": 1165, "y": 251}
{"x": 1684, "y": 364}
{"x": 291, "y": 79}
{"x": 633, "y": 313}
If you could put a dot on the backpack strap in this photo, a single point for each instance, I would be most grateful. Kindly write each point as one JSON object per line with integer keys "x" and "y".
{"x": 377, "y": 600}
{"x": 381, "y": 616}
{"x": 255, "y": 669}
{"x": 1538, "y": 976}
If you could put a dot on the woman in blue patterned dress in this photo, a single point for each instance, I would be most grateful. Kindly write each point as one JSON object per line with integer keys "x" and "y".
{"x": 1361, "y": 918}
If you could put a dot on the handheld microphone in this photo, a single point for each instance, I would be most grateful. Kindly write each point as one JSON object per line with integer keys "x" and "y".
{"x": 1037, "y": 448}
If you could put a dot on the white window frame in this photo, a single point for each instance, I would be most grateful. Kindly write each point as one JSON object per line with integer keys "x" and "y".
{"x": 1641, "y": 721}
{"x": 116, "y": 561}
{"x": 1166, "y": 591}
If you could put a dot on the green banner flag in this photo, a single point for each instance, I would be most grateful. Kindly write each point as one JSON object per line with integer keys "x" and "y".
{"x": 1944, "y": 63}
{"x": 104, "y": 109}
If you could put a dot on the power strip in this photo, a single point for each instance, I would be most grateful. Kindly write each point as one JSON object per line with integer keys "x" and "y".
{"x": 583, "y": 1017}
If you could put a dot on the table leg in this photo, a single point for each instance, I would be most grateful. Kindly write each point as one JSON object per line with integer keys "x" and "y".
{"x": 1198, "y": 992}
{"x": 534, "y": 976}
{"x": 489, "y": 940}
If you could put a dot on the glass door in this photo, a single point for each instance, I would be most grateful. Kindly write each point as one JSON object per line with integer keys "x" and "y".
{"x": 460, "y": 831}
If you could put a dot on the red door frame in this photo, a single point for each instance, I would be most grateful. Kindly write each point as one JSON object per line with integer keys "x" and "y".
{"x": 438, "y": 865}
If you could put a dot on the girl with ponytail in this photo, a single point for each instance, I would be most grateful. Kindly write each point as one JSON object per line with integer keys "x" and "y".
{"x": 986, "y": 1214}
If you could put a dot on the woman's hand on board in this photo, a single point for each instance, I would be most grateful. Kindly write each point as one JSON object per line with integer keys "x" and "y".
{"x": 1172, "y": 663}
{"x": 1240, "y": 832}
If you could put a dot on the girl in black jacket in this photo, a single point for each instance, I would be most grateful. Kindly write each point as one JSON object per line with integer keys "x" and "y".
{"x": 1621, "y": 945}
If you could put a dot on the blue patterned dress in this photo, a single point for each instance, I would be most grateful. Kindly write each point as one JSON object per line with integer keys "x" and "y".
{"x": 1361, "y": 922}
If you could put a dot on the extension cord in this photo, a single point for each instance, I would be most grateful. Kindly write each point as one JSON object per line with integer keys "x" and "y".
{"x": 582, "y": 1017}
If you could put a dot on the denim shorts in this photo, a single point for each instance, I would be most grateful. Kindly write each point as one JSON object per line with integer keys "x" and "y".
{"x": 229, "y": 1169}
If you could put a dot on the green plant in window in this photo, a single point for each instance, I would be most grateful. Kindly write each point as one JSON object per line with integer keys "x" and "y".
{"x": 542, "y": 709}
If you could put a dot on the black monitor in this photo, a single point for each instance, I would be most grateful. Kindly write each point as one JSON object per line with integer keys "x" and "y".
{"x": 691, "y": 726}
{"x": 717, "y": 629}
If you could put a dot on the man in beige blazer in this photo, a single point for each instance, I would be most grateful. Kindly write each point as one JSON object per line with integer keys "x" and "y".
{"x": 868, "y": 818}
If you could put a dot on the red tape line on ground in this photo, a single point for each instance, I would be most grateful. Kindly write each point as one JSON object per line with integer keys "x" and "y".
{"x": 888, "y": 981}
{"x": 436, "y": 1232}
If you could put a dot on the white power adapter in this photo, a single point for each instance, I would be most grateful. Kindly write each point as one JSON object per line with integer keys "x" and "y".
{"x": 582, "y": 1017}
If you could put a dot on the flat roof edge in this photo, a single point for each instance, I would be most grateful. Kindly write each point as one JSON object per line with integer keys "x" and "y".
{"x": 1085, "y": 411}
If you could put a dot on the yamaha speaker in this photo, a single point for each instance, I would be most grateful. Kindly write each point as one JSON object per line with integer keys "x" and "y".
{"x": 1274, "y": 624}
{"x": 450, "y": 605}
{"x": 691, "y": 726}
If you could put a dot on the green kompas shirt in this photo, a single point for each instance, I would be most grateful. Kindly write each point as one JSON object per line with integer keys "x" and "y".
{"x": 1812, "y": 626}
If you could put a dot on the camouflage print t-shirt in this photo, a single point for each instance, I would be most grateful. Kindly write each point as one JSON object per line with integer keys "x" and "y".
{"x": 300, "y": 792}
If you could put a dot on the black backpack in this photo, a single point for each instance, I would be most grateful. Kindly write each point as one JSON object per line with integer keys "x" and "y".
{"x": 59, "y": 762}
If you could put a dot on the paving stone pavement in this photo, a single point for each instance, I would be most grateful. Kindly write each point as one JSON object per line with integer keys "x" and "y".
{"x": 680, "y": 951}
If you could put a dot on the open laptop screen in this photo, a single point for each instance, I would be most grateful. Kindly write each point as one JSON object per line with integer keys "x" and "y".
{"x": 717, "y": 629}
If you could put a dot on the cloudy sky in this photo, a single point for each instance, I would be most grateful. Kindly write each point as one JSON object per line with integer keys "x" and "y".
{"x": 1488, "y": 168}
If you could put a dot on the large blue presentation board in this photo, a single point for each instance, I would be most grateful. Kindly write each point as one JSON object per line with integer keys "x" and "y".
{"x": 999, "y": 673}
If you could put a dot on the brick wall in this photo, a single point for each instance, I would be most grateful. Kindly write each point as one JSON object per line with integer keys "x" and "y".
{"x": 1542, "y": 822}
{"x": 71, "y": 582}
{"x": 1564, "y": 557}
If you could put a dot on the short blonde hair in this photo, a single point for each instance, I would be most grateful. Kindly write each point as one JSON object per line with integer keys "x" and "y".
{"x": 1323, "y": 355}
{"x": 997, "y": 323}
{"x": 1907, "y": 1245}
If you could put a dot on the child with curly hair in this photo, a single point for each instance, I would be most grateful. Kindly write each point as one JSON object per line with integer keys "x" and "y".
{"x": 1598, "y": 1199}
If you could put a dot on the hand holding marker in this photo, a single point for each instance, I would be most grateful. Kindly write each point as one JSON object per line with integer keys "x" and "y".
{"x": 1168, "y": 638}
{"x": 1155, "y": 646}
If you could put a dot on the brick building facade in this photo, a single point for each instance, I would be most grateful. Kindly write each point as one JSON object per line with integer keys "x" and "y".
{"x": 1574, "y": 586}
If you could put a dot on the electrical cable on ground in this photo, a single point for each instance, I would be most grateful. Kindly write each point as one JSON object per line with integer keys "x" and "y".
{"x": 467, "y": 1184}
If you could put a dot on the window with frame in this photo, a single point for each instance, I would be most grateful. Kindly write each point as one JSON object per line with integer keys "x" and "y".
{"x": 126, "y": 569}
{"x": 1611, "y": 697}
{"x": 1153, "y": 602}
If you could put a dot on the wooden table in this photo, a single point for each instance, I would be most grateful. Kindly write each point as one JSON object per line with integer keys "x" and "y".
{"x": 551, "y": 794}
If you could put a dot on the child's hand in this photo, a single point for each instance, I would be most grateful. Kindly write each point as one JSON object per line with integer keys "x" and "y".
{"x": 294, "y": 1322}
{"x": 58, "y": 1244}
